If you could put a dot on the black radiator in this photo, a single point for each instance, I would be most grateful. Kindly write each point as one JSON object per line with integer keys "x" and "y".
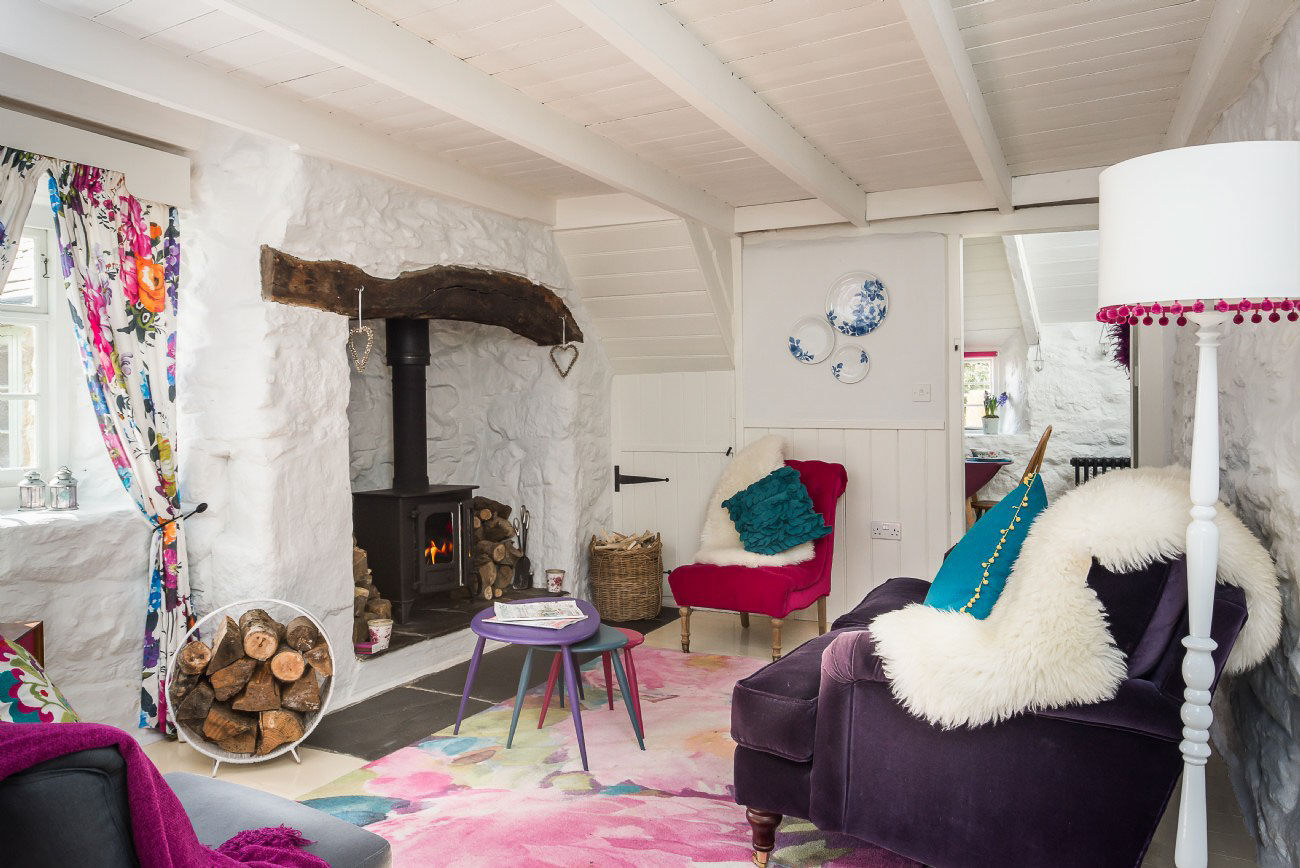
{"x": 1087, "y": 468}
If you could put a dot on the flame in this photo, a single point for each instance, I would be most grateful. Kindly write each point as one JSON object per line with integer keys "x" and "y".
{"x": 436, "y": 550}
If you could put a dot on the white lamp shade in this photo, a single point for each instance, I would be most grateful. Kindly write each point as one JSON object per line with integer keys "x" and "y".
{"x": 1209, "y": 222}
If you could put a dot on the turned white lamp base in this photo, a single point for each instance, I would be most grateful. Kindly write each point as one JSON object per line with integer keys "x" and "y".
{"x": 1191, "y": 850}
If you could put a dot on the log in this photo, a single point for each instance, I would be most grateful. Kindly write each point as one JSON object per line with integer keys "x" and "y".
{"x": 500, "y": 509}
{"x": 244, "y": 742}
{"x": 495, "y": 550}
{"x": 288, "y": 665}
{"x": 227, "y": 647}
{"x": 222, "y": 722}
{"x": 360, "y": 596}
{"x": 454, "y": 292}
{"x": 278, "y": 727}
{"x": 230, "y": 680}
{"x": 487, "y": 590}
{"x": 514, "y": 551}
{"x": 260, "y": 693}
{"x": 301, "y": 634}
{"x": 360, "y": 629}
{"x": 197, "y": 703}
{"x": 303, "y": 694}
{"x": 179, "y": 686}
{"x": 487, "y": 573}
{"x": 478, "y": 522}
{"x": 505, "y": 574}
{"x": 319, "y": 659}
{"x": 193, "y": 658}
{"x": 359, "y": 563}
{"x": 497, "y": 529}
{"x": 484, "y": 515}
{"x": 261, "y": 634}
{"x": 380, "y": 608}
{"x": 508, "y": 560}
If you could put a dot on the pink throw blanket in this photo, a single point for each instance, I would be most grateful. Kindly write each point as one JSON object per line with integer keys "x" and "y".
{"x": 160, "y": 828}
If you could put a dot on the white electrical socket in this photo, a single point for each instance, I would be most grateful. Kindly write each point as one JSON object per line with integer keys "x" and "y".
{"x": 886, "y": 530}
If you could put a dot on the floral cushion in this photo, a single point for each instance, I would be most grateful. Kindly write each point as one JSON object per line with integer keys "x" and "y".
{"x": 26, "y": 694}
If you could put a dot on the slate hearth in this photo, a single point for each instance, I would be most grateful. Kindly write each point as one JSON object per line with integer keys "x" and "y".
{"x": 439, "y": 614}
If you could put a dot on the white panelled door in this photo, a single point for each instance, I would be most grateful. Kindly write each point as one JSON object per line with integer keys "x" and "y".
{"x": 674, "y": 425}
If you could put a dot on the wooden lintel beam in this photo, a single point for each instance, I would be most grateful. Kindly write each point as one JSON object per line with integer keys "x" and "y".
{"x": 452, "y": 292}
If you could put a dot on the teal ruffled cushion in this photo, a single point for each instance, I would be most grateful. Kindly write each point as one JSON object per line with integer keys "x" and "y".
{"x": 975, "y": 571}
{"x": 775, "y": 513}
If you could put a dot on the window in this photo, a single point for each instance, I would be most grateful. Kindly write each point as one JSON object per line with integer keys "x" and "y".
{"x": 978, "y": 376}
{"x": 28, "y": 365}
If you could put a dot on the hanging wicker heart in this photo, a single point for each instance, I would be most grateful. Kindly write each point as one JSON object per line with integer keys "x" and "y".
{"x": 359, "y": 360}
{"x": 560, "y": 352}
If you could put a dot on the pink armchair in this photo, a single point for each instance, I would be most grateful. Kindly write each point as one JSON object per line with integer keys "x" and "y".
{"x": 772, "y": 591}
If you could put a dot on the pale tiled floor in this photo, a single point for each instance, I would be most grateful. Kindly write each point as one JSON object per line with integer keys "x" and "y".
{"x": 281, "y": 776}
{"x": 711, "y": 633}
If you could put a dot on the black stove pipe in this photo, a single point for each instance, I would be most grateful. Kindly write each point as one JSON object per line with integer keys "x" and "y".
{"x": 408, "y": 356}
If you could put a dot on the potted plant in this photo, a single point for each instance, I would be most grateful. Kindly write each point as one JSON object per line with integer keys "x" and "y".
{"x": 991, "y": 405}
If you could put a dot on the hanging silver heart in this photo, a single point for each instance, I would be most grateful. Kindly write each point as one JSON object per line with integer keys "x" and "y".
{"x": 359, "y": 361}
{"x": 557, "y": 352}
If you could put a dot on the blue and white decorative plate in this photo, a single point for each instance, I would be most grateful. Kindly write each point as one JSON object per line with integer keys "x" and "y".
{"x": 857, "y": 303}
{"x": 810, "y": 340}
{"x": 850, "y": 364}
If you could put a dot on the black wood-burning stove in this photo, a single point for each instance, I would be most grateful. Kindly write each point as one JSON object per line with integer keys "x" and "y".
{"x": 417, "y": 536}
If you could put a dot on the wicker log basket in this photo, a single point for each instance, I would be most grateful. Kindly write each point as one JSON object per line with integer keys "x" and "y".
{"x": 626, "y": 576}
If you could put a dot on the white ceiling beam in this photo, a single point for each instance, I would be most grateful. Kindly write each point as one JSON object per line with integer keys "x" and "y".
{"x": 1022, "y": 285}
{"x": 1046, "y": 188}
{"x": 95, "y": 53}
{"x": 351, "y": 35}
{"x": 935, "y": 27}
{"x": 713, "y": 250}
{"x": 652, "y": 38}
{"x": 1236, "y": 37}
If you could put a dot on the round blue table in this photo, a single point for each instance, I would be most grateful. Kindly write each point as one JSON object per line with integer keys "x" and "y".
{"x": 520, "y": 635}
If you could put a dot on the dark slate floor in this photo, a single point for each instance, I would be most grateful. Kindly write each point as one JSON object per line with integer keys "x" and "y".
{"x": 441, "y": 614}
{"x": 380, "y": 725}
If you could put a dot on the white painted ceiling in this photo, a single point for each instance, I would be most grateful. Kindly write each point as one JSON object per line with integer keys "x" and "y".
{"x": 1061, "y": 269}
{"x": 1067, "y": 84}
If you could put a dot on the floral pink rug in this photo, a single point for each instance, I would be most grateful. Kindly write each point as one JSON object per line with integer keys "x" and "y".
{"x": 467, "y": 801}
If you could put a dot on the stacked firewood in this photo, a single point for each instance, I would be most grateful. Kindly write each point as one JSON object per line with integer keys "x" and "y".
{"x": 494, "y": 554}
{"x": 607, "y": 541}
{"x": 249, "y": 690}
{"x": 367, "y": 604}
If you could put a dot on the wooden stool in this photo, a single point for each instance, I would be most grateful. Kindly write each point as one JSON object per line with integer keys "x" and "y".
{"x": 607, "y": 642}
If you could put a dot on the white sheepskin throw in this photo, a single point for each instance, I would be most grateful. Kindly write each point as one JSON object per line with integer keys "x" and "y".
{"x": 719, "y": 542}
{"x": 1046, "y": 642}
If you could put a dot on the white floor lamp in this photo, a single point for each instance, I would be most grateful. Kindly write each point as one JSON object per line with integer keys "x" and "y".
{"x": 1208, "y": 235}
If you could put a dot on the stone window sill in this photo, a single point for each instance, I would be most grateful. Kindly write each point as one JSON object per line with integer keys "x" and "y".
{"x": 13, "y": 518}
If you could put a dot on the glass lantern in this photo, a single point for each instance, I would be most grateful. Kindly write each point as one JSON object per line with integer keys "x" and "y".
{"x": 63, "y": 490}
{"x": 31, "y": 491}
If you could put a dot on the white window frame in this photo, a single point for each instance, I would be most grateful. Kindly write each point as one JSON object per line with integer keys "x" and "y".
{"x": 52, "y": 327}
{"x": 994, "y": 363}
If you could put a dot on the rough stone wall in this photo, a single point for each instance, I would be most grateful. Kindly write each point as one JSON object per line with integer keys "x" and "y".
{"x": 1258, "y": 713}
{"x": 268, "y": 416}
{"x": 1080, "y": 392}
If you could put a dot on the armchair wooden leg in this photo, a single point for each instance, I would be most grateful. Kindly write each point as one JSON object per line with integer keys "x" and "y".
{"x": 744, "y": 620}
{"x": 821, "y": 616}
{"x": 685, "y": 612}
{"x": 776, "y": 638}
{"x": 763, "y": 824}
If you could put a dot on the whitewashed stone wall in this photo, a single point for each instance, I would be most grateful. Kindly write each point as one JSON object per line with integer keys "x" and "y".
{"x": 1260, "y": 426}
{"x": 1080, "y": 392}
{"x": 265, "y": 388}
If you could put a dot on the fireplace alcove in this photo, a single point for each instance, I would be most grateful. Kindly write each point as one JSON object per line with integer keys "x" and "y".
{"x": 416, "y": 533}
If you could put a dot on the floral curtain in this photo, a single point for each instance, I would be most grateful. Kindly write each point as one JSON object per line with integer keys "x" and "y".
{"x": 121, "y": 267}
{"x": 20, "y": 172}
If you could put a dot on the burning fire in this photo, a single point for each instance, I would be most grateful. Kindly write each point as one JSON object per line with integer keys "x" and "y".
{"x": 437, "y": 550}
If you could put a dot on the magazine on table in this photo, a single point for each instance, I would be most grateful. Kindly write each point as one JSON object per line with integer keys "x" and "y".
{"x": 551, "y": 614}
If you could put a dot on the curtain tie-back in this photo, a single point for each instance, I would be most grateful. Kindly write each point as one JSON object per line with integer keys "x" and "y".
{"x": 159, "y": 525}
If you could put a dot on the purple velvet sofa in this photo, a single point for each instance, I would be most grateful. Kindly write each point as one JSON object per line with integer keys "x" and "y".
{"x": 823, "y": 738}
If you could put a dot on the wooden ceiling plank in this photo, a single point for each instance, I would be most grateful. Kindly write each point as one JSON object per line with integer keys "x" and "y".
{"x": 93, "y": 53}
{"x": 658, "y": 43}
{"x": 935, "y": 28}
{"x": 352, "y": 36}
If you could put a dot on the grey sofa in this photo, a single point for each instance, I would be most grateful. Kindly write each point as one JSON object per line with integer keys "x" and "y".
{"x": 72, "y": 810}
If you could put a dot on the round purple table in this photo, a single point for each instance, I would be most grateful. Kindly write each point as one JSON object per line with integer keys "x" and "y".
{"x": 980, "y": 470}
{"x": 519, "y": 635}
